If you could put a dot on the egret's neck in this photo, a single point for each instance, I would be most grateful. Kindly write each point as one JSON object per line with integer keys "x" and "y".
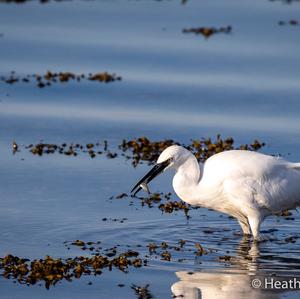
{"x": 187, "y": 183}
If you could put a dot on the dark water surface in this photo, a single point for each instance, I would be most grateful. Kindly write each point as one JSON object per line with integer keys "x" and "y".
{"x": 174, "y": 85}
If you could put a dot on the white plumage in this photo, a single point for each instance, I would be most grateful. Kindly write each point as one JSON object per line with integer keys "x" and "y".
{"x": 246, "y": 185}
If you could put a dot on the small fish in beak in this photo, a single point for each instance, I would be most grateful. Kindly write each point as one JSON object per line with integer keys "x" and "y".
{"x": 155, "y": 171}
{"x": 145, "y": 187}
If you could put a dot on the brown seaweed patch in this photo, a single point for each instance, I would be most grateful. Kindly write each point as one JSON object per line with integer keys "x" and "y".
{"x": 50, "y": 270}
{"x": 61, "y": 77}
{"x": 160, "y": 200}
{"x": 72, "y": 149}
{"x": 143, "y": 149}
{"x": 161, "y": 250}
{"x": 167, "y": 252}
{"x": 208, "y": 31}
{"x": 166, "y": 256}
{"x": 172, "y": 206}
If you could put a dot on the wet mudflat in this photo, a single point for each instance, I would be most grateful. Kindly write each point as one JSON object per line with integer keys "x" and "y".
{"x": 72, "y": 147}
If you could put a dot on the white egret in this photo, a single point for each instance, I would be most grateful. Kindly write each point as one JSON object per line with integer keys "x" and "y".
{"x": 246, "y": 185}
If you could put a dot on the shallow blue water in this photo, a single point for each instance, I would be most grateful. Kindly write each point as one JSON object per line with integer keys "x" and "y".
{"x": 174, "y": 85}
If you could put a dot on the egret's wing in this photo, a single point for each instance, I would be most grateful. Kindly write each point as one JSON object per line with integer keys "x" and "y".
{"x": 275, "y": 191}
{"x": 252, "y": 180}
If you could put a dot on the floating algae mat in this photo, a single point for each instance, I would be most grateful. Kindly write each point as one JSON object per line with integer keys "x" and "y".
{"x": 208, "y": 31}
{"x": 91, "y": 149}
{"x": 51, "y": 270}
{"x": 140, "y": 149}
{"x": 51, "y": 78}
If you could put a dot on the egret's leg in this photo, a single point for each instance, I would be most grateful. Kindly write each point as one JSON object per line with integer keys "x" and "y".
{"x": 245, "y": 227}
{"x": 254, "y": 223}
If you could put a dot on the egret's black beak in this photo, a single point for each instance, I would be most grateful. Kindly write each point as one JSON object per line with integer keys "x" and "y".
{"x": 155, "y": 171}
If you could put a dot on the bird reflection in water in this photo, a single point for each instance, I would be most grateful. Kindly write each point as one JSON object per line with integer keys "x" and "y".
{"x": 233, "y": 283}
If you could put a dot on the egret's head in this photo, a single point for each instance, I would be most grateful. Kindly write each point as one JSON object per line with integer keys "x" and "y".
{"x": 172, "y": 157}
{"x": 175, "y": 154}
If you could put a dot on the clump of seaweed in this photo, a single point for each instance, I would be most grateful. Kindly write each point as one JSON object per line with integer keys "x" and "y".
{"x": 60, "y": 77}
{"x": 92, "y": 149}
{"x": 205, "y": 148}
{"x": 164, "y": 251}
{"x": 162, "y": 201}
{"x": 172, "y": 206}
{"x": 51, "y": 270}
{"x": 208, "y": 31}
{"x": 142, "y": 149}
